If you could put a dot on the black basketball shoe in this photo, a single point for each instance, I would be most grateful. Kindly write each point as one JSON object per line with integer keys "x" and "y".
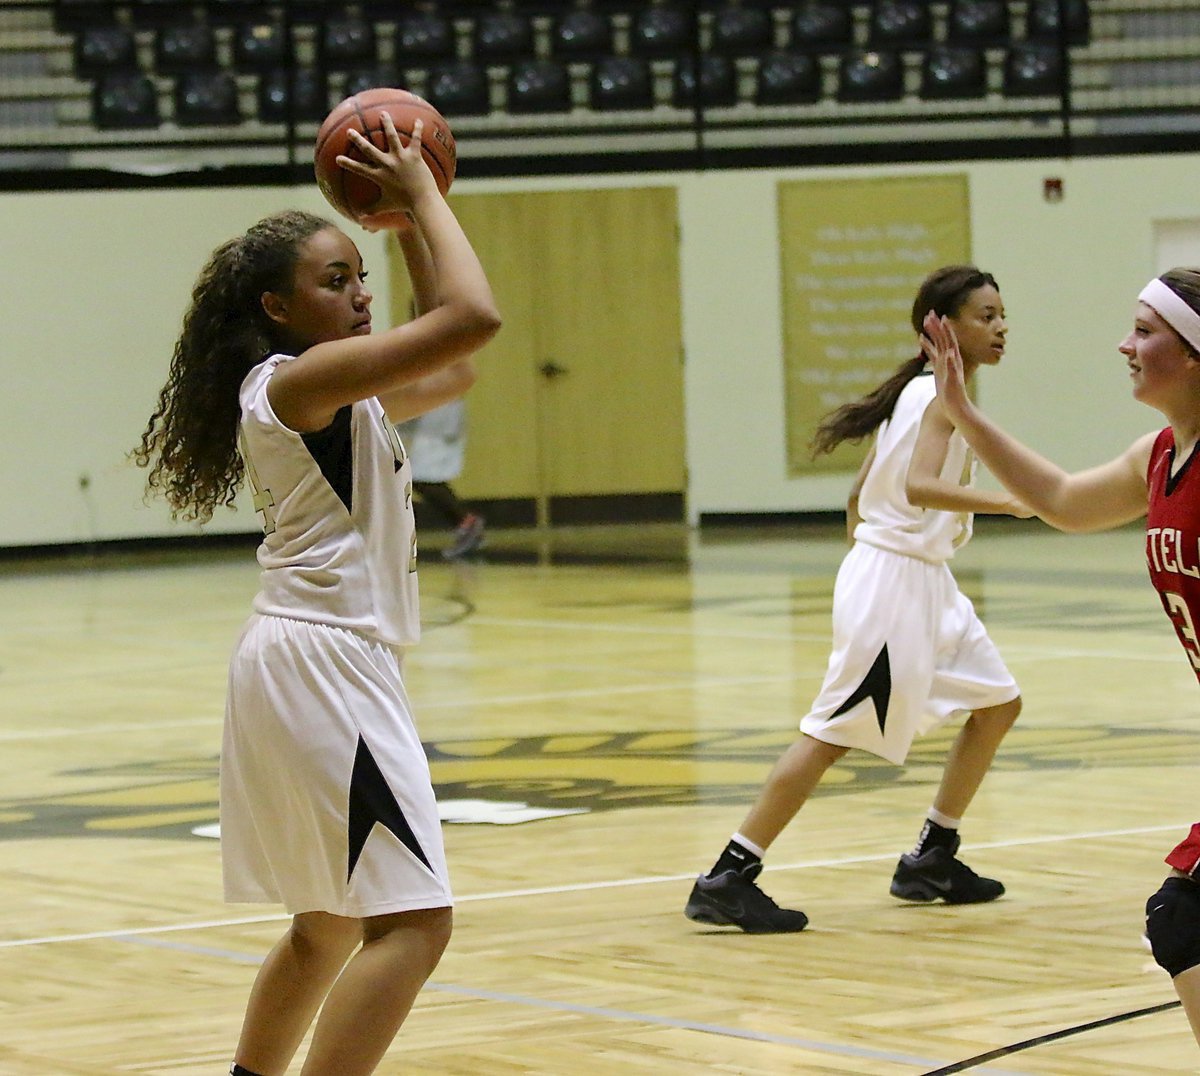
{"x": 939, "y": 875}
{"x": 732, "y": 899}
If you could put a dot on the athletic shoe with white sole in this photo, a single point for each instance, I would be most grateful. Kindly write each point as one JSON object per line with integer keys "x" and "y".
{"x": 732, "y": 899}
{"x": 939, "y": 875}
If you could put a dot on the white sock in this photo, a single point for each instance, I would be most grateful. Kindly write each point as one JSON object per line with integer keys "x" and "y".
{"x": 943, "y": 820}
{"x": 749, "y": 845}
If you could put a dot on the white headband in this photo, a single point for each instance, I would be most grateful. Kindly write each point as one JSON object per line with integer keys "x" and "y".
{"x": 1173, "y": 310}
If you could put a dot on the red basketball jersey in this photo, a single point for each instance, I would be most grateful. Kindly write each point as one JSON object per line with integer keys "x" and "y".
{"x": 1173, "y": 541}
{"x": 1173, "y": 557}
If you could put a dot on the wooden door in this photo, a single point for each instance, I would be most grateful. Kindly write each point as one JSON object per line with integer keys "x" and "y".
{"x": 608, "y": 273}
{"x": 581, "y": 394}
{"x": 502, "y": 448}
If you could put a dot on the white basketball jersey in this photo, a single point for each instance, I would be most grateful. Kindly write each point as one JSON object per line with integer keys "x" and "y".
{"x": 889, "y": 521}
{"x": 339, "y": 544}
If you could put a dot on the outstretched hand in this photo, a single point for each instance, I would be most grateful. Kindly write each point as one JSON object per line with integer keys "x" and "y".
{"x": 940, "y": 347}
{"x": 400, "y": 172}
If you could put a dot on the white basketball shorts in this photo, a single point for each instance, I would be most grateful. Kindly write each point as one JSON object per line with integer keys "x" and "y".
{"x": 326, "y": 799}
{"x": 909, "y": 654}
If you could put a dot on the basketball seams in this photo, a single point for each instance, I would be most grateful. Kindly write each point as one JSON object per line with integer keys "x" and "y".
{"x": 427, "y": 154}
{"x": 362, "y": 124}
{"x": 363, "y": 108}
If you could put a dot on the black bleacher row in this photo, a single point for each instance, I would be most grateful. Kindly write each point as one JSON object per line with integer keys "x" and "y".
{"x": 616, "y": 83}
{"x": 655, "y": 25}
{"x": 205, "y": 42}
{"x": 661, "y": 28}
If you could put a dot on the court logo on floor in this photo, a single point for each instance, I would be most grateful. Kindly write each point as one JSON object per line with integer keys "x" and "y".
{"x": 511, "y": 780}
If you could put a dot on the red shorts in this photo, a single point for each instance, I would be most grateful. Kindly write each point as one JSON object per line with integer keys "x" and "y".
{"x": 1185, "y": 856}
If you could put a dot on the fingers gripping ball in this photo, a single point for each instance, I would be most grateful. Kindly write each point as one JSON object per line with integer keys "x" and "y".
{"x": 1173, "y": 925}
{"x": 352, "y": 194}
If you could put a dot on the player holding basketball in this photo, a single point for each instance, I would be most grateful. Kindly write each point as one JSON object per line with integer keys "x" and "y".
{"x": 1156, "y": 477}
{"x": 909, "y": 652}
{"x": 326, "y": 799}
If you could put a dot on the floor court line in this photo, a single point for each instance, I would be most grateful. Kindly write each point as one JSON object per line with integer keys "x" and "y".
{"x": 1030, "y": 652}
{"x": 1053, "y": 1036}
{"x": 584, "y": 887}
{"x": 603, "y": 1012}
{"x": 837, "y": 1049}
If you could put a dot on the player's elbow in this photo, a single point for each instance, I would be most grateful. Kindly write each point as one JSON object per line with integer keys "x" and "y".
{"x": 1073, "y": 513}
{"x": 916, "y": 493}
{"x": 1067, "y": 526}
{"x": 1073, "y": 524}
{"x": 480, "y": 323}
{"x": 470, "y": 328}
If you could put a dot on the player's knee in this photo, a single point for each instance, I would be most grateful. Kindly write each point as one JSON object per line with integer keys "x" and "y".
{"x": 1002, "y": 715}
{"x": 1173, "y": 925}
{"x": 1012, "y": 710}
{"x": 424, "y": 932}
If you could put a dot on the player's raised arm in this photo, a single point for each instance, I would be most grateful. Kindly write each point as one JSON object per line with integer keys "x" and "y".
{"x": 1101, "y": 497}
{"x": 335, "y": 370}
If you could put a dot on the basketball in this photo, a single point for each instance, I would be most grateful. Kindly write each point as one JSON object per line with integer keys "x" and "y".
{"x": 352, "y": 194}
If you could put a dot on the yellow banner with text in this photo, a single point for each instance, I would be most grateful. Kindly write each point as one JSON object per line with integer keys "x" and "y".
{"x": 854, "y": 252}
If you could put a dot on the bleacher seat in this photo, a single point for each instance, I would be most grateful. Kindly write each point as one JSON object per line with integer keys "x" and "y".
{"x": 583, "y": 33}
{"x": 717, "y": 83}
{"x": 187, "y": 47}
{"x": 1042, "y": 21}
{"x": 452, "y": 7}
{"x": 737, "y": 30}
{"x": 73, "y": 15}
{"x": 259, "y": 45}
{"x": 620, "y": 83}
{"x": 951, "y": 72}
{"x": 295, "y": 96}
{"x": 370, "y": 77}
{"x": 346, "y": 40}
{"x": 98, "y": 49}
{"x": 979, "y": 22}
{"x": 660, "y": 30}
{"x": 502, "y": 36}
{"x": 424, "y": 35}
{"x": 306, "y": 11}
{"x": 870, "y": 75}
{"x": 459, "y": 88}
{"x": 538, "y": 86}
{"x": 124, "y": 101}
{"x": 158, "y": 12}
{"x": 1032, "y": 70}
{"x": 900, "y": 24}
{"x": 207, "y": 98}
{"x": 787, "y": 78}
{"x": 822, "y": 25}
{"x": 236, "y": 12}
